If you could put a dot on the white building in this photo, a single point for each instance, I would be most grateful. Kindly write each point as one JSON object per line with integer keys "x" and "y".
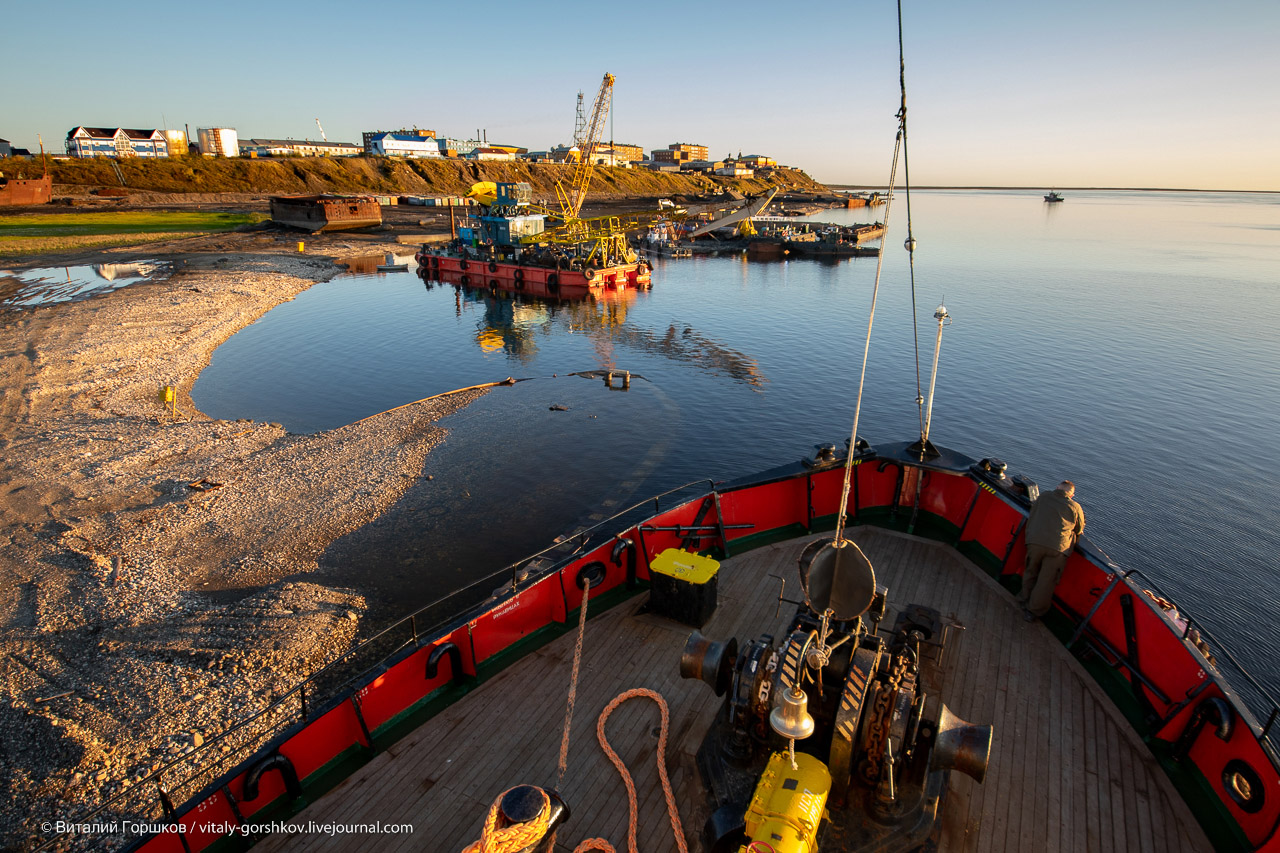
{"x": 404, "y": 145}
{"x": 299, "y": 148}
{"x": 218, "y": 141}
{"x": 490, "y": 154}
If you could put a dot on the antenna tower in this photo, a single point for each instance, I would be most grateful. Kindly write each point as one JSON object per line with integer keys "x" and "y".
{"x": 579, "y": 124}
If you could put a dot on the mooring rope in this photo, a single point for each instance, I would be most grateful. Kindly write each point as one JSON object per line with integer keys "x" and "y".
{"x": 510, "y": 839}
{"x": 633, "y": 809}
{"x": 573, "y": 687}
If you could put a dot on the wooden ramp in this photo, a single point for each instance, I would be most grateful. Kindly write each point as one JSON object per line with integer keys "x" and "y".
{"x": 1067, "y": 772}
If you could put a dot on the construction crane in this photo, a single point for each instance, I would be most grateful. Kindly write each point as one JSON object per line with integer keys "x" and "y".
{"x": 571, "y": 200}
{"x": 322, "y": 136}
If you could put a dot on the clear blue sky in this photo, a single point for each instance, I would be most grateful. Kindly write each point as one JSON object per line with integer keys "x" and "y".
{"x": 1117, "y": 93}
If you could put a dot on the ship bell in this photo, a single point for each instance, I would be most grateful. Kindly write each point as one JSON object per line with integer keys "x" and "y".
{"x": 791, "y": 718}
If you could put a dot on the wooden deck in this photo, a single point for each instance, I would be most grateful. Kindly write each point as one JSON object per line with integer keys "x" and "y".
{"x": 1067, "y": 773}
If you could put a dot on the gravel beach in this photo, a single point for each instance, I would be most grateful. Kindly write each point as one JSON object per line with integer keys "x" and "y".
{"x": 158, "y": 575}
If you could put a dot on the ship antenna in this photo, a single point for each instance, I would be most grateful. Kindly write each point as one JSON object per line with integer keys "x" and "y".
{"x": 898, "y": 147}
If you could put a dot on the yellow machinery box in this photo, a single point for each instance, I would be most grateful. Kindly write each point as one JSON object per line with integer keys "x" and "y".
{"x": 683, "y": 586}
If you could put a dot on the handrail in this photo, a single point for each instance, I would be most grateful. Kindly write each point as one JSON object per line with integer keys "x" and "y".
{"x": 416, "y": 633}
{"x": 1263, "y": 732}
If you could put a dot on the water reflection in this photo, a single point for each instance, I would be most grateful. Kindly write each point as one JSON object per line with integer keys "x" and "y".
{"x": 50, "y": 285}
{"x": 512, "y": 323}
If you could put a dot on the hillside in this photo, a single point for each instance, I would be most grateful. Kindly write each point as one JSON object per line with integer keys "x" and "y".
{"x": 381, "y": 175}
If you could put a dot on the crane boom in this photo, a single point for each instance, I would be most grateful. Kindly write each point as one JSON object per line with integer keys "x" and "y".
{"x": 571, "y": 200}
{"x": 322, "y": 136}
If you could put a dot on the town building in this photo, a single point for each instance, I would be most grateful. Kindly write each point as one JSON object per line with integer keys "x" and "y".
{"x": 116, "y": 142}
{"x": 458, "y": 147}
{"x": 758, "y": 161}
{"x": 515, "y": 150}
{"x": 702, "y": 165}
{"x": 6, "y": 150}
{"x": 680, "y": 152}
{"x": 298, "y": 148}
{"x": 427, "y": 137}
{"x": 488, "y": 153}
{"x": 403, "y": 144}
{"x": 616, "y": 153}
{"x": 218, "y": 141}
{"x": 734, "y": 170}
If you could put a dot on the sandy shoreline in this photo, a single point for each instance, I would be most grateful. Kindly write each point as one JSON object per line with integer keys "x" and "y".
{"x": 114, "y": 654}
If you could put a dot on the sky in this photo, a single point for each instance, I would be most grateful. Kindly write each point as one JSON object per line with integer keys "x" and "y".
{"x": 1125, "y": 93}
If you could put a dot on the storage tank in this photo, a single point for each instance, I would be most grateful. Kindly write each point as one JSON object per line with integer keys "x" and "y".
{"x": 176, "y": 142}
{"x": 218, "y": 142}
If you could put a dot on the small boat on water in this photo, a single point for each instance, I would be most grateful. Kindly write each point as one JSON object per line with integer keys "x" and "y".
{"x": 1053, "y": 196}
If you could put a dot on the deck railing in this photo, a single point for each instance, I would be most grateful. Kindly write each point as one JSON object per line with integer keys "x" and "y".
{"x": 983, "y": 517}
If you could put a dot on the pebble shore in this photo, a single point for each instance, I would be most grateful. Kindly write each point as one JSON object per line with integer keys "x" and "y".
{"x": 158, "y": 573}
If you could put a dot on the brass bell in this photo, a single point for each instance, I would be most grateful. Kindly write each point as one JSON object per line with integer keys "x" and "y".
{"x": 791, "y": 719}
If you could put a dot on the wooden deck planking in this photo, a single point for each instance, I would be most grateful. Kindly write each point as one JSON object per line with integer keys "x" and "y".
{"x": 1065, "y": 774}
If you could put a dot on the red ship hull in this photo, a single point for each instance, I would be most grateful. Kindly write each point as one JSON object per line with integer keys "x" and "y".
{"x": 532, "y": 280}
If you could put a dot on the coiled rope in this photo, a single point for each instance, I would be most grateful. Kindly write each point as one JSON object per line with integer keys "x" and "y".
{"x": 633, "y": 809}
{"x": 509, "y": 839}
{"x": 495, "y": 839}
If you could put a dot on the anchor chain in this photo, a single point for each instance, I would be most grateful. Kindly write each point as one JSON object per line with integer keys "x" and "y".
{"x": 871, "y": 765}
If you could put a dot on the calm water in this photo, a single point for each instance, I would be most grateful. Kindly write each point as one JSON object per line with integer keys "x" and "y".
{"x": 1126, "y": 341}
{"x": 49, "y": 285}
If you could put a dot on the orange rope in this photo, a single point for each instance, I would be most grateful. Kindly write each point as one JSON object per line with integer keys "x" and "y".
{"x": 510, "y": 839}
{"x": 573, "y": 688}
{"x": 632, "y": 807}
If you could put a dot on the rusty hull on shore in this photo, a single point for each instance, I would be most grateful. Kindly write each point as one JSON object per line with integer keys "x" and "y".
{"x": 316, "y": 213}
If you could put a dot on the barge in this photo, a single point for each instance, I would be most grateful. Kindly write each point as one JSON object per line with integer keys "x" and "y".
{"x": 316, "y": 213}
{"x": 507, "y": 246}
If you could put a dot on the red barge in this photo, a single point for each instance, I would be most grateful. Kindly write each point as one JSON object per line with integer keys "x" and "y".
{"x": 507, "y": 247}
{"x": 528, "y": 279}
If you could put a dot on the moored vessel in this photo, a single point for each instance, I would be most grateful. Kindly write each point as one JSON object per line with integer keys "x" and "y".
{"x": 506, "y": 245}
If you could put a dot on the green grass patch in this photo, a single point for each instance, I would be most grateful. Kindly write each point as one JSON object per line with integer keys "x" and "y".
{"x": 122, "y": 222}
{"x": 35, "y": 234}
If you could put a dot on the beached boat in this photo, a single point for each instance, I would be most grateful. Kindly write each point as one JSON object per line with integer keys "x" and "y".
{"x": 502, "y": 246}
{"x": 317, "y": 213}
{"x": 25, "y": 191}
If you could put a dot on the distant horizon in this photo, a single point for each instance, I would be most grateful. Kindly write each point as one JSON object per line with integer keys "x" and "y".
{"x": 999, "y": 93}
{"x": 1042, "y": 189}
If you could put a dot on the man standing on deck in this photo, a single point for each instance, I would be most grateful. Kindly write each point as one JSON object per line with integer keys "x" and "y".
{"x": 1055, "y": 523}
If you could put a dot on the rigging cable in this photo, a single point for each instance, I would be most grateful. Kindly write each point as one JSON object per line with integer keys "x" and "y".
{"x": 900, "y": 144}
{"x": 910, "y": 243}
{"x": 875, "y": 292}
